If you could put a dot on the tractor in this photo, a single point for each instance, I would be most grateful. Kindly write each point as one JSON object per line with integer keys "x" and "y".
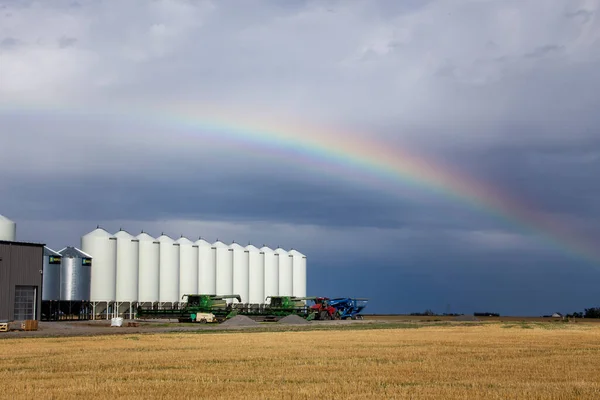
{"x": 322, "y": 309}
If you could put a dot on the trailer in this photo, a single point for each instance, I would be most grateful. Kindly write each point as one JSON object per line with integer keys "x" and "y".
{"x": 348, "y": 307}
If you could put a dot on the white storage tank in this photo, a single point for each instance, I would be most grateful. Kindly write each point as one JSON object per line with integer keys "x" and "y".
{"x": 298, "y": 273}
{"x": 207, "y": 275}
{"x": 8, "y": 229}
{"x": 223, "y": 261}
{"x": 148, "y": 273}
{"x": 127, "y": 267}
{"x": 256, "y": 275}
{"x": 168, "y": 270}
{"x": 51, "y": 275}
{"x": 102, "y": 247}
{"x": 240, "y": 271}
{"x": 271, "y": 272}
{"x": 75, "y": 275}
{"x": 188, "y": 267}
{"x": 284, "y": 263}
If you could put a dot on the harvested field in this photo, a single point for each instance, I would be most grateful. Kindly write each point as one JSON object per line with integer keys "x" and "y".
{"x": 432, "y": 362}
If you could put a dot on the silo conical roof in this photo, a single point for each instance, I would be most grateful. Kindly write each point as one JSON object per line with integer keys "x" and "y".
{"x": 165, "y": 238}
{"x": 123, "y": 235}
{"x": 296, "y": 253}
{"x": 145, "y": 237}
{"x": 236, "y": 246}
{"x": 218, "y": 243}
{"x": 98, "y": 232}
{"x": 202, "y": 243}
{"x": 183, "y": 240}
{"x": 266, "y": 249}
{"x": 252, "y": 248}
{"x": 73, "y": 252}
{"x": 49, "y": 252}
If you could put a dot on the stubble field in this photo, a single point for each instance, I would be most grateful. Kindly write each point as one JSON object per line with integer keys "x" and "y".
{"x": 466, "y": 361}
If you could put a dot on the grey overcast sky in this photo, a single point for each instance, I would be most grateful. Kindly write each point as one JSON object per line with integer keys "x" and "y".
{"x": 506, "y": 93}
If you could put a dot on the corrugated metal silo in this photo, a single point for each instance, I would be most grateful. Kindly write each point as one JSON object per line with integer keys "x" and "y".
{"x": 75, "y": 275}
{"x": 284, "y": 262}
{"x": 51, "y": 275}
{"x": 271, "y": 272}
{"x": 148, "y": 274}
{"x": 256, "y": 276}
{"x": 298, "y": 273}
{"x": 8, "y": 229}
{"x": 188, "y": 267}
{"x": 223, "y": 260}
{"x": 102, "y": 246}
{"x": 207, "y": 276}
{"x": 168, "y": 270}
{"x": 240, "y": 271}
{"x": 127, "y": 267}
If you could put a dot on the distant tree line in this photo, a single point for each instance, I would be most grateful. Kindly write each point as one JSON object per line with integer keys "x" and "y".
{"x": 486, "y": 314}
{"x": 429, "y": 313}
{"x": 424, "y": 313}
{"x": 593, "y": 312}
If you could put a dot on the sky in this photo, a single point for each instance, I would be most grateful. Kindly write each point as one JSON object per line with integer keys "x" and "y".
{"x": 108, "y": 113}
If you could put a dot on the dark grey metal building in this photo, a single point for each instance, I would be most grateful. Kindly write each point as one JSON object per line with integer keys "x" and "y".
{"x": 21, "y": 266}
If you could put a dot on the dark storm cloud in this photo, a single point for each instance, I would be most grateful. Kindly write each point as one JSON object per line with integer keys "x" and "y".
{"x": 551, "y": 177}
{"x": 460, "y": 282}
{"x": 226, "y": 197}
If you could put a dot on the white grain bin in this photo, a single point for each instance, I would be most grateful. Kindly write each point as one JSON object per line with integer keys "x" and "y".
{"x": 148, "y": 274}
{"x": 298, "y": 273}
{"x": 256, "y": 275}
{"x": 188, "y": 267}
{"x": 51, "y": 275}
{"x": 8, "y": 229}
{"x": 222, "y": 257}
{"x": 75, "y": 275}
{"x": 271, "y": 272}
{"x": 284, "y": 261}
{"x": 102, "y": 247}
{"x": 168, "y": 270}
{"x": 207, "y": 275}
{"x": 127, "y": 267}
{"x": 240, "y": 271}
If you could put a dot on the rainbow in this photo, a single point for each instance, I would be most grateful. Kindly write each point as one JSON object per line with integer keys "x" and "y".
{"x": 346, "y": 155}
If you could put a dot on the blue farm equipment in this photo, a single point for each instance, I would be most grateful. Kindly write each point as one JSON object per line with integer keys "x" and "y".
{"x": 348, "y": 308}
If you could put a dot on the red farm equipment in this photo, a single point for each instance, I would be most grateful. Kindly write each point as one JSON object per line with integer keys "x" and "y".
{"x": 322, "y": 310}
{"x": 325, "y": 308}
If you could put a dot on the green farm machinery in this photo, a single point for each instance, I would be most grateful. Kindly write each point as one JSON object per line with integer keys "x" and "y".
{"x": 213, "y": 308}
{"x": 197, "y": 308}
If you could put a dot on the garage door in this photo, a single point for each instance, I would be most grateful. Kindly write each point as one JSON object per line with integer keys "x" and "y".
{"x": 25, "y": 302}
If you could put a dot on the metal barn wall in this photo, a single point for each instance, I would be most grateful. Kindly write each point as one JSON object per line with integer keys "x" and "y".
{"x": 20, "y": 264}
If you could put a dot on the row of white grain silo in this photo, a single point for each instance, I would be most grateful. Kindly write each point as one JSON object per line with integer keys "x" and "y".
{"x": 143, "y": 269}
